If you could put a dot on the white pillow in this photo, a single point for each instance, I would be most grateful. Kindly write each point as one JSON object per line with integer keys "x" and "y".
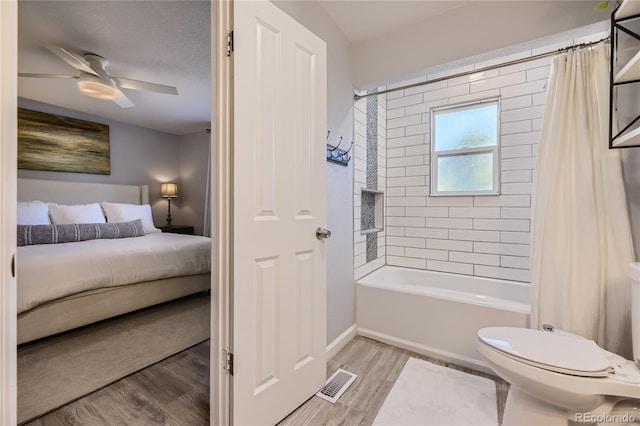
{"x": 119, "y": 212}
{"x": 33, "y": 213}
{"x": 80, "y": 213}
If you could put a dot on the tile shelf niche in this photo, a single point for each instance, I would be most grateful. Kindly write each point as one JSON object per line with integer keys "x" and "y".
{"x": 625, "y": 74}
{"x": 371, "y": 211}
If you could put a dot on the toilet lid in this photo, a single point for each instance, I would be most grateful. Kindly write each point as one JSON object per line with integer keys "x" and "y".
{"x": 548, "y": 350}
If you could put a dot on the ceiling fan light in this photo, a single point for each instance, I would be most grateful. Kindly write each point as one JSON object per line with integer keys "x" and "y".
{"x": 96, "y": 88}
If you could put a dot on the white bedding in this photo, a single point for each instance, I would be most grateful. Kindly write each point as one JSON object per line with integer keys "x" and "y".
{"x": 51, "y": 271}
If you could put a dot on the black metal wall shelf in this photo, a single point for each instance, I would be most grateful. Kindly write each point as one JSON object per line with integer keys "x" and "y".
{"x": 625, "y": 19}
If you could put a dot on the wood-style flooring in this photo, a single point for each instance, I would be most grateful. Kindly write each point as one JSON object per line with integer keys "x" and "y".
{"x": 176, "y": 391}
{"x": 173, "y": 392}
{"x": 377, "y": 365}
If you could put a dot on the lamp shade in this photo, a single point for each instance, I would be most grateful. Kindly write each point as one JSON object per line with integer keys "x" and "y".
{"x": 169, "y": 190}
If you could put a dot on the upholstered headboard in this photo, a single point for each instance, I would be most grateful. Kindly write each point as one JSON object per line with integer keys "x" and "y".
{"x": 53, "y": 191}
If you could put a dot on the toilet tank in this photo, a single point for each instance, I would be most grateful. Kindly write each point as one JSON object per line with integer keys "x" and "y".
{"x": 634, "y": 273}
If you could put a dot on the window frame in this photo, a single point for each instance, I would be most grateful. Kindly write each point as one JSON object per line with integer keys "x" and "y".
{"x": 494, "y": 149}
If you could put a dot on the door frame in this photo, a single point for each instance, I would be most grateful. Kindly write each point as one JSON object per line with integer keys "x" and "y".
{"x": 8, "y": 200}
{"x": 223, "y": 214}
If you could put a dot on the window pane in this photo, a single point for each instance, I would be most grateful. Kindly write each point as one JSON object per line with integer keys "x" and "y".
{"x": 467, "y": 128}
{"x": 467, "y": 172}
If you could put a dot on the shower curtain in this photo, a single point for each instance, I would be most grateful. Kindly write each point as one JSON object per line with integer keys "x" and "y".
{"x": 581, "y": 237}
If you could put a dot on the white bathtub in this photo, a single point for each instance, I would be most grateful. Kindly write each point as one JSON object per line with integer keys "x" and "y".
{"x": 437, "y": 314}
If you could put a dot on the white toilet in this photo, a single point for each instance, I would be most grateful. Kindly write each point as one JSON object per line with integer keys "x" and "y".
{"x": 559, "y": 378}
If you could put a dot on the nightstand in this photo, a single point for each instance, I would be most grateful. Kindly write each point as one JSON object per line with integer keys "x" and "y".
{"x": 178, "y": 229}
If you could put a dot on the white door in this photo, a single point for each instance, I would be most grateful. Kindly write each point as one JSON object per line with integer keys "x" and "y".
{"x": 8, "y": 172}
{"x": 279, "y": 272}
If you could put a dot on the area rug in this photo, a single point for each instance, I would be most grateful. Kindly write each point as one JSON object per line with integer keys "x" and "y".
{"x": 59, "y": 370}
{"x": 428, "y": 394}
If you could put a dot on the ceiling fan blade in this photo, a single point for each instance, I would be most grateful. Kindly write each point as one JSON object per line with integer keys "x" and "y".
{"x": 145, "y": 86}
{"x": 27, "y": 74}
{"x": 122, "y": 100}
{"x": 72, "y": 59}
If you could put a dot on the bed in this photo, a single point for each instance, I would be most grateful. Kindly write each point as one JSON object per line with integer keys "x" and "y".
{"x": 69, "y": 285}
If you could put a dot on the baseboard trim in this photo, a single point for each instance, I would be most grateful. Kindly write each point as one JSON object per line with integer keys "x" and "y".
{"x": 341, "y": 341}
{"x": 453, "y": 358}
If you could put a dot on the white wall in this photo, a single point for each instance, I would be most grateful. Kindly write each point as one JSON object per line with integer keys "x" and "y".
{"x": 478, "y": 27}
{"x": 194, "y": 159}
{"x": 139, "y": 156}
{"x": 341, "y": 289}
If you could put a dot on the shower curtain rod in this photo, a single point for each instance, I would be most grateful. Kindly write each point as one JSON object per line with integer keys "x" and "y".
{"x": 490, "y": 67}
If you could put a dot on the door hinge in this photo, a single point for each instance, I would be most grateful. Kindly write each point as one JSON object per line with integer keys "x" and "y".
{"x": 228, "y": 363}
{"x": 13, "y": 266}
{"x": 229, "y": 43}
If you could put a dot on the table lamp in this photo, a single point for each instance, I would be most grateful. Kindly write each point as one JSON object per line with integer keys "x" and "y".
{"x": 169, "y": 191}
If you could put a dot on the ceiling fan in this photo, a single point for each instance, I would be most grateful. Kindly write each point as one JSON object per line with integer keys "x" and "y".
{"x": 95, "y": 81}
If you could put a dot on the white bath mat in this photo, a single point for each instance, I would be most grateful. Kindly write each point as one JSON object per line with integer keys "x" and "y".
{"x": 428, "y": 394}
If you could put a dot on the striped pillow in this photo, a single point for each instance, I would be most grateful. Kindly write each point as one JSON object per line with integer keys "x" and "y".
{"x": 68, "y": 233}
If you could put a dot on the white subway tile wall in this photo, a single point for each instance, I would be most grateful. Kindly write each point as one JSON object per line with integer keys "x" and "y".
{"x": 361, "y": 266}
{"x": 486, "y": 236}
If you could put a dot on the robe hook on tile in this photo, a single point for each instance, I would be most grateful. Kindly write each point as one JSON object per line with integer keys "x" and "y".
{"x": 337, "y": 155}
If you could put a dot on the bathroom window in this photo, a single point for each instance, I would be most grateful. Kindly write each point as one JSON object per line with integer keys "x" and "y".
{"x": 465, "y": 148}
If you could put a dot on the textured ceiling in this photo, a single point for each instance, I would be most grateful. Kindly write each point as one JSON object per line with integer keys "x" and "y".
{"x": 166, "y": 42}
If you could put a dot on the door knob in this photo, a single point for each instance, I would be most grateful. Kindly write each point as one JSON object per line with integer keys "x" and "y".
{"x": 322, "y": 233}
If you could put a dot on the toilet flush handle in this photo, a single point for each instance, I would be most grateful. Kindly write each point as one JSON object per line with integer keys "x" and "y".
{"x": 547, "y": 327}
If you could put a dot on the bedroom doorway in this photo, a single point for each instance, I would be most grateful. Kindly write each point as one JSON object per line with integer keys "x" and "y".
{"x": 8, "y": 85}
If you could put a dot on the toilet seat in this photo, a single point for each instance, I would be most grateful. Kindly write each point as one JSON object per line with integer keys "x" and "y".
{"x": 548, "y": 350}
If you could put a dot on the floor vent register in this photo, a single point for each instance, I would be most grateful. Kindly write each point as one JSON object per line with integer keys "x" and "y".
{"x": 336, "y": 385}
